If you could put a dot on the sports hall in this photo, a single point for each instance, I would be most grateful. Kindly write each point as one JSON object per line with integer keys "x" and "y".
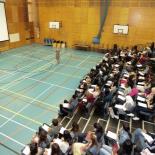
{"x": 77, "y": 77}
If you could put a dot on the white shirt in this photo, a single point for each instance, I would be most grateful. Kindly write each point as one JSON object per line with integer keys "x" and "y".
{"x": 129, "y": 104}
{"x": 64, "y": 146}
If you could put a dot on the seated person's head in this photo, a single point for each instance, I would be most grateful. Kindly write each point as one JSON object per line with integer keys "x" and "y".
{"x": 74, "y": 96}
{"x": 132, "y": 77}
{"x": 83, "y": 86}
{"x": 55, "y": 122}
{"x": 35, "y": 139}
{"x": 65, "y": 101}
{"x": 75, "y": 127}
{"x": 88, "y": 80}
{"x": 42, "y": 135}
{"x": 33, "y": 148}
{"x": 67, "y": 137}
{"x": 91, "y": 138}
{"x": 55, "y": 149}
{"x": 127, "y": 147}
{"x": 97, "y": 88}
{"x": 98, "y": 127}
{"x": 107, "y": 91}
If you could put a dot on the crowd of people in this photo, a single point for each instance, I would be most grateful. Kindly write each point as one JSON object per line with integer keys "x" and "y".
{"x": 120, "y": 86}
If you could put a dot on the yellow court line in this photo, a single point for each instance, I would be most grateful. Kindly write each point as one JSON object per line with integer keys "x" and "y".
{"x": 23, "y": 116}
{"x": 21, "y": 95}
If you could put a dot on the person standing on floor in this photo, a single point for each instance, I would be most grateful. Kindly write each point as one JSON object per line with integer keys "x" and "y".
{"x": 58, "y": 55}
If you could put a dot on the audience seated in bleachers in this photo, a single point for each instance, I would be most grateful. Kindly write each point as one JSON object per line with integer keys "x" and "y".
{"x": 120, "y": 85}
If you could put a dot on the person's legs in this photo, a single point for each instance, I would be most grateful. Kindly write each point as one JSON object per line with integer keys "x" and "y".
{"x": 107, "y": 148}
{"x": 58, "y": 60}
{"x": 104, "y": 152}
{"x": 138, "y": 139}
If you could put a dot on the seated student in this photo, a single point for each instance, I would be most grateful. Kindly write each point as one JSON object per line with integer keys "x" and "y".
{"x": 82, "y": 105}
{"x": 87, "y": 80}
{"x": 92, "y": 93}
{"x": 90, "y": 147}
{"x": 150, "y": 99}
{"x": 99, "y": 133}
{"x": 126, "y": 148}
{"x": 143, "y": 140}
{"x": 124, "y": 134}
{"x": 81, "y": 89}
{"x": 150, "y": 105}
{"x": 143, "y": 58}
{"x": 64, "y": 142}
{"x": 53, "y": 150}
{"x": 99, "y": 79}
{"x": 30, "y": 149}
{"x": 42, "y": 140}
{"x": 55, "y": 128}
{"x": 74, "y": 131}
{"x": 132, "y": 80}
{"x": 70, "y": 106}
{"x": 129, "y": 105}
{"x": 126, "y": 108}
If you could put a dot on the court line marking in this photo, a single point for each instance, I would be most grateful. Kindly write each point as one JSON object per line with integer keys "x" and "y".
{"x": 9, "y": 72}
{"x": 17, "y": 113}
{"x": 18, "y": 80}
{"x": 17, "y": 142}
{"x": 30, "y": 73}
{"x": 91, "y": 55}
{"x": 22, "y": 68}
{"x": 50, "y": 84}
{"x": 83, "y": 68}
{"x": 20, "y": 115}
{"x": 14, "y": 115}
{"x": 79, "y": 59}
{"x": 30, "y": 56}
{"x": 68, "y": 75}
{"x": 21, "y": 95}
{"x": 18, "y": 123}
{"x": 10, "y": 149}
{"x": 24, "y": 76}
{"x": 14, "y": 73}
{"x": 83, "y": 61}
{"x": 33, "y": 71}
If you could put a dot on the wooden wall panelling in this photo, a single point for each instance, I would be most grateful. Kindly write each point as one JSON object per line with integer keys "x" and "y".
{"x": 17, "y": 20}
{"x": 80, "y": 21}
